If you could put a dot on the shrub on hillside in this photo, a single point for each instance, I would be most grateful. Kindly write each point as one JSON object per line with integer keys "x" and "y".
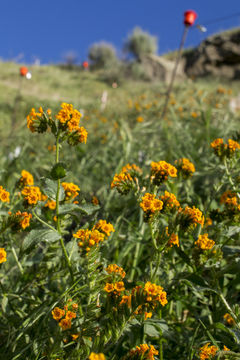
{"x": 102, "y": 55}
{"x": 140, "y": 42}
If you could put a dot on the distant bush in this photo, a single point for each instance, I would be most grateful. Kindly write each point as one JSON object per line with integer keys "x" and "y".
{"x": 102, "y": 55}
{"x": 140, "y": 42}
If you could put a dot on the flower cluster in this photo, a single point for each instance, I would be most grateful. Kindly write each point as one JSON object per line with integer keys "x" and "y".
{"x": 67, "y": 122}
{"x": 26, "y": 179}
{"x": 172, "y": 238}
{"x": 50, "y": 204}
{"x": 150, "y": 204}
{"x": 207, "y": 352}
{"x": 32, "y": 194}
{"x": 190, "y": 217}
{"x": 88, "y": 238}
{"x": 155, "y": 294}
{"x": 114, "y": 288}
{"x": 160, "y": 171}
{"x": 123, "y": 181}
{"x": 229, "y": 319}
{"x": 204, "y": 243}
{"x": 170, "y": 202}
{"x": 71, "y": 190}
{"x": 224, "y": 150}
{"x": 104, "y": 227}
{"x": 4, "y": 195}
{"x": 94, "y": 356}
{"x": 21, "y": 219}
{"x": 65, "y": 316}
{"x": 143, "y": 351}
{"x": 133, "y": 169}
{"x": 115, "y": 269}
{"x": 69, "y": 118}
{"x": 231, "y": 201}
{"x": 37, "y": 121}
{"x": 185, "y": 167}
{"x": 3, "y": 255}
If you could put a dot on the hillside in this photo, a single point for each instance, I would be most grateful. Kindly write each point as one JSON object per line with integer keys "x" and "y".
{"x": 139, "y": 199}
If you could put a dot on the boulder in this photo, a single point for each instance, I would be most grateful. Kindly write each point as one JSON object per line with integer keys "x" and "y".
{"x": 158, "y": 68}
{"x": 218, "y": 55}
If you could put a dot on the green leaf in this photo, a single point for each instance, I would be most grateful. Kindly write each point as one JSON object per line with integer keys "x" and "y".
{"x": 233, "y": 230}
{"x": 231, "y": 250}
{"x": 151, "y": 331}
{"x": 36, "y": 236}
{"x": 58, "y": 171}
{"x": 88, "y": 209}
{"x": 50, "y": 189}
{"x": 67, "y": 208}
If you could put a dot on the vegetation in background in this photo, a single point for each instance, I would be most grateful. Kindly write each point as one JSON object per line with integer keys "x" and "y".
{"x": 126, "y": 247}
{"x": 140, "y": 42}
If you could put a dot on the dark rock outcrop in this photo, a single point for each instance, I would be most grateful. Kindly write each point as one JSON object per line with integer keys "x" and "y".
{"x": 218, "y": 55}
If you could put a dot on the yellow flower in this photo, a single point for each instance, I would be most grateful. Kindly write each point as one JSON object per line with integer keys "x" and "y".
{"x": 109, "y": 287}
{"x": 147, "y": 315}
{"x": 95, "y": 200}
{"x": 26, "y": 178}
{"x": 204, "y": 243}
{"x": 150, "y": 204}
{"x": 193, "y": 216}
{"x": 207, "y": 352}
{"x": 65, "y": 324}
{"x": 170, "y": 201}
{"x": 229, "y": 319}
{"x": 71, "y": 190}
{"x": 34, "y": 119}
{"x": 119, "y": 286}
{"x": 58, "y": 313}
{"x": 70, "y": 315}
{"x": 126, "y": 299}
{"x": 32, "y": 194}
{"x": 94, "y": 356}
{"x": 51, "y": 204}
{"x": 75, "y": 336}
{"x": 155, "y": 293}
{"x": 4, "y": 195}
{"x": 160, "y": 171}
{"x": 3, "y": 255}
{"x": 113, "y": 268}
{"x": 24, "y": 219}
{"x": 185, "y": 167}
{"x": 140, "y": 119}
{"x": 105, "y": 227}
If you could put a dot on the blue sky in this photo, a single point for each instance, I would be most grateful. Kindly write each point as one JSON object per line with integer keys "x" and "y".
{"x": 47, "y": 29}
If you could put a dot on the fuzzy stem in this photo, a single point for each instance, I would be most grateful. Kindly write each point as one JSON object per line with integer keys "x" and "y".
{"x": 17, "y": 261}
{"x": 57, "y": 213}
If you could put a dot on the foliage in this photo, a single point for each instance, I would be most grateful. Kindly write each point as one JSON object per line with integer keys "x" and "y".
{"x": 145, "y": 270}
{"x": 102, "y": 54}
{"x": 140, "y": 42}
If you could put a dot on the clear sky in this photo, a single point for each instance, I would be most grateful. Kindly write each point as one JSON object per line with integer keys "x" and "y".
{"x": 47, "y": 29}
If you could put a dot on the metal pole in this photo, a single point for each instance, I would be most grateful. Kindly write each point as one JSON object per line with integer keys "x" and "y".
{"x": 175, "y": 70}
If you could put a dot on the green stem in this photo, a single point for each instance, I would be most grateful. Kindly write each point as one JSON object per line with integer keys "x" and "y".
{"x": 135, "y": 259}
{"x": 160, "y": 341}
{"x": 229, "y": 310}
{"x": 42, "y": 221}
{"x": 159, "y": 256}
{"x": 17, "y": 261}
{"x": 57, "y": 213}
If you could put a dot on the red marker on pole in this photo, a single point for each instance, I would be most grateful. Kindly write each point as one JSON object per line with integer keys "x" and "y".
{"x": 189, "y": 19}
{"x": 23, "y": 70}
